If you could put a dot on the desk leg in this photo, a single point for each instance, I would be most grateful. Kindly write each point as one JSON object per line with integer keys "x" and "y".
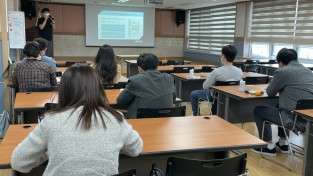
{"x": 308, "y": 158}
{"x": 226, "y": 108}
{"x": 179, "y": 87}
{"x": 128, "y": 69}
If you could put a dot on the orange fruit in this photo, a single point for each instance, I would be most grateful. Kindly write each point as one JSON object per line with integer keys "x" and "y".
{"x": 258, "y": 93}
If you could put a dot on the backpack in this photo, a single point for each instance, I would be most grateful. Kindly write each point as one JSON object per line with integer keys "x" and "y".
{"x": 4, "y": 123}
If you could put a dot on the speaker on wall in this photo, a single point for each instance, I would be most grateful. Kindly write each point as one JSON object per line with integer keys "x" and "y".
{"x": 180, "y": 17}
{"x": 29, "y": 8}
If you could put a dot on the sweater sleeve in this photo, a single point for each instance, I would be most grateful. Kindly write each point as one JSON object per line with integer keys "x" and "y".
{"x": 32, "y": 151}
{"x": 118, "y": 74}
{"x": 127, "y": 96}
{"x": 210, "y": 81}
{"x": 133, "y": 143}
{"x": 276, "y": 84}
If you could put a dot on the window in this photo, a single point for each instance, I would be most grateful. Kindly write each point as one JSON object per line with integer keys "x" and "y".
{"x": 278, "y": 47}
{"x": 260, "y": 50}
{"x": 305, "y": 52}
{"x": 211, "y": 28}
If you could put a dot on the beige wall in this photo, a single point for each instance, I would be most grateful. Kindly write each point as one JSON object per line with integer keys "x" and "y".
{"x": 74, "y": 45}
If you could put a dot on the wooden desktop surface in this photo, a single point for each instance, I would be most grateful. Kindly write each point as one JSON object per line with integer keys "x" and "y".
{"x": 234, "y": 91}
{"x": 37, "y": 100}
{"x": 171, "y": 67}
{"x": 164, "y": 135}
{"x": 164, "y": 61}
{"x": 203, "y": 76}
{"x": 62, "y": 63}
{"x": 305, "y": 113}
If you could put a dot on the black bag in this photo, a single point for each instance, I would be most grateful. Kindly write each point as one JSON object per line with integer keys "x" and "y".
{"x": 155, "y": 171}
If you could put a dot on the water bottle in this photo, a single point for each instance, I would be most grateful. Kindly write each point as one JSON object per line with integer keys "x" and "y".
{"x": 191, "y": 72}
{"x": 242, "y": 85}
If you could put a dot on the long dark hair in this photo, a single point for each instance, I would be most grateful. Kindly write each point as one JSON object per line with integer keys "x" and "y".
{"x": 80, "y": 86}
{"x": 106, "y": 65}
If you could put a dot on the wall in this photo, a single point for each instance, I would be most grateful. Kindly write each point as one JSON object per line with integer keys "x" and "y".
{"x": 69, "y": 37}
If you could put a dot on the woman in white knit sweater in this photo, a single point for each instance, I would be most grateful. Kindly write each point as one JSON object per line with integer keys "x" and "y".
{"x": 83, "y": 136}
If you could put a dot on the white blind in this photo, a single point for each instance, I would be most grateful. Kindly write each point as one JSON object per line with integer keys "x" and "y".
{"x": 304, "y": 26}
{"x": 273, "y": 20}
{"x": 211, "y": 28}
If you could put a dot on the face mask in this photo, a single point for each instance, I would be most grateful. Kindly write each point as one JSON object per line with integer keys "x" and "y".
{"x": 47, "y": 13}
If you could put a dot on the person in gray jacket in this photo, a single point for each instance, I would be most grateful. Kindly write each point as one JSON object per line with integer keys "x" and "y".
{"x": 82, "y": 136}
{"x": 148, "y": 89}
{"x": 293, "y": 82}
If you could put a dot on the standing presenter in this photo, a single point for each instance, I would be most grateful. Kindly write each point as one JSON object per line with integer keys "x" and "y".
{"x": 46, "y": 25}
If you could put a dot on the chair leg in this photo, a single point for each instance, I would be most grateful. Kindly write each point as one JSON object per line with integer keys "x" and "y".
{"x": 198, "y": 112}
{"x": 291, "y": 151}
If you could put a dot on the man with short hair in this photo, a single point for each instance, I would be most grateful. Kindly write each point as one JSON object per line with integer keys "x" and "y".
{"x": 148, "y": 89}
{"x": 293, "y": 82}
{"x": 43, "y": 48}
{"x": 227, "y": 72}
{"x": 46, "y": 26}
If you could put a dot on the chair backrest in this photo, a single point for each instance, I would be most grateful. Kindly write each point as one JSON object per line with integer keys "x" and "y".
{"x": 164, "y": 112}
{"x": 272, "y": 61}
{"x": 171, "y": 62}
{"x": 58, "y": 74}
{"x": 50, "y": 106}
{"x": 130, "y": 172}
{"x": 70, "y": 63}
{"x": 206, "y": 69}
{"x": 226, "y": 167}
{"x": 226, "y": 83}
{"x": 256, "y": 80}
{"x": 42, "y": 89}
{"x": 304, "y": 104}
{"x": 182, "y": 69}
{"x": 251, "y": 65}
{"x": 120, "y": 85}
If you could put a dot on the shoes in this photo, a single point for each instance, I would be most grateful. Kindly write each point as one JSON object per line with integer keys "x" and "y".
{"x": 265, "y": 151}
{"x": 283, "y": 148}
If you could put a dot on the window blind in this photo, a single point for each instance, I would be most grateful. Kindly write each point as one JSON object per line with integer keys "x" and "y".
{"x": 211, "y": 28}
{"x": 304, "y": 24}
{"x": 273, "y": 21}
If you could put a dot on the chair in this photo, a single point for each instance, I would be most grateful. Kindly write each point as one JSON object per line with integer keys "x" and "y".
{"x": 226, "y": 167}
{"x": 272, "y": 61}
{"x": 171, "y": 62}
{"x": 256, "y": 80}
{"x": 163, "y": 112}
{"x": 130, "y": 172}
{"x": 50, "y": 106}
{"x": 301, "y": 104}
{"x": 182, "y": 69}
{"x": 58, "y": 74}
{"x": 120, "y": 85}
{"x": 42, "y": 89}
{"x": 210, "y": 105}
{"x": 251, "y": 65}
{"x": 70, "y": 63}
{"x": 206, "y": 69}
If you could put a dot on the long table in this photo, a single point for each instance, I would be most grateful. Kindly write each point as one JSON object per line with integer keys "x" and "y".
{"x": 185, "y": 85}
{"x": 192, "y": 137}
{"x": 236, "y": 106}
{"x": 270, "y": 69}
{"x": 307, "y": 168}
{"x": 132, "y": 68}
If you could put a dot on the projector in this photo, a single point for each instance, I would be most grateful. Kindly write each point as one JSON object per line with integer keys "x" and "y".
{"x": 160, "y": 2}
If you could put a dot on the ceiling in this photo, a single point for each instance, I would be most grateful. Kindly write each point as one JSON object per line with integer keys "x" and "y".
{"x": 169, "y": 4}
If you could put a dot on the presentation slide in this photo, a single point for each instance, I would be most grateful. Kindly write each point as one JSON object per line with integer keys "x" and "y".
{"x": 119, "y": 26}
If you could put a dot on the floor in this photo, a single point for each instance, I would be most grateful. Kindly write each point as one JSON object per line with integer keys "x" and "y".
{"x": 257, "y": 166}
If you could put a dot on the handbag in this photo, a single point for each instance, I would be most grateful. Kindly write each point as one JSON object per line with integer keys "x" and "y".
{"x": 155, "y": 171}
{"x": 4, "y": 123}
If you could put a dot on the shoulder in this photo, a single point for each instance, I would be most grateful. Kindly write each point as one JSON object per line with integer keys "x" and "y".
{"x": 48, "y": 59}
{"x": 40, "y": 20}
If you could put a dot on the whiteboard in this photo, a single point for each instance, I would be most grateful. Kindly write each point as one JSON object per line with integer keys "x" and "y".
{"x": 16, "y": 23}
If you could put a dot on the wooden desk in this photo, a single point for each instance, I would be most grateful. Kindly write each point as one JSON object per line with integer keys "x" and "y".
{"x": 162, "y": 138}
{"x": 307, "y": 168}
{"x": 185, "y": 85}
{"x": 269, "y": 69}
{"x": 236, "y": 106}
{"x": 62, "y": 63}
{"x": 243, "y": 61}
{"x": 132, "y": 68}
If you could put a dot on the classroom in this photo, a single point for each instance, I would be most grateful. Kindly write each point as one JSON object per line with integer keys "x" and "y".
{"x": 156, "y": 87}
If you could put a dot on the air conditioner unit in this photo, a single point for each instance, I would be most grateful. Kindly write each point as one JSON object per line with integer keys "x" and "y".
{"x": 154, "y": 2}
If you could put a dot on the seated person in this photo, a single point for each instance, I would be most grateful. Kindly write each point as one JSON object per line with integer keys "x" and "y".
{"x": 227, "y": 72}
{"x": 43, "y": 48}
{"x": 33, "y": 72}
{"x": 82, "y": 136}
{"x": 106, "y": 66}
{"x": 293, "y": 82}
{"x": 148, "y": 89}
